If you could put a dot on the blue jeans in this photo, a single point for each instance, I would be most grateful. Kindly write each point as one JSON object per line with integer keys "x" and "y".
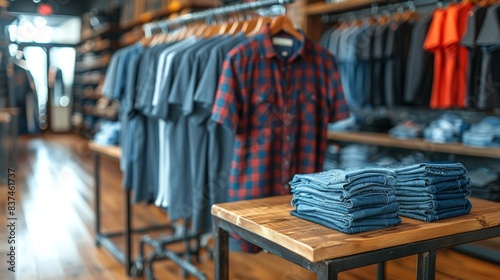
{"x": 462, "y": 183}
{"x": 435, "y": 217}
{"x": 336, "y": 176}
{"x": 423, "y": 197}
{"x": 359, "y": 183}
{"x": 422, "y": 180}
{"x": 436, "y": 167}
{"x": 434, "y": 204}
{"x": 362, "y": 200}
{"x": 340, "y": 195}
{"x": 360, "y": 226}
{"x": 386, "y": 211}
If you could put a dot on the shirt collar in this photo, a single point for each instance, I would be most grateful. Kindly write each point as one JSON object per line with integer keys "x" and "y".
{"x": 267, "y": 45}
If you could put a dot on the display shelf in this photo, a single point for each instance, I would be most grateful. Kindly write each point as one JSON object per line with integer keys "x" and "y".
{"x": 98, "y": 63}
{"x": 104, "y": 29}
{"x": 105, "y": 113}
{"x": 345, "y": 6}
{"x": 382, "y": 139}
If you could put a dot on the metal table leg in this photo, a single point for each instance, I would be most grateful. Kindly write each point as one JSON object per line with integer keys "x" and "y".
{"x": 426, "y": 267}
{"x": 128, "y": 235}
{"x": 221, "y": 257}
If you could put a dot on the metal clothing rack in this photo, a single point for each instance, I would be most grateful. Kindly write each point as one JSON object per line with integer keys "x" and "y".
{"x": 163, "y": 25}
{"x": 378, "y": 8}
{"x": 182, "y": 233}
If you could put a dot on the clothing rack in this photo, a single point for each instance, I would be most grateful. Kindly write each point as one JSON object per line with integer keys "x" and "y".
{"x": 163, "y": 25}
{"x": 181, "y": 231}
{"x": 379, "y": 8}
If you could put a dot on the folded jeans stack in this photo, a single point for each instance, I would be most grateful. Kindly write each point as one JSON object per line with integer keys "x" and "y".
{"x": 432, "y": 191}
{"x": 485, "y": 133}
{"x": 448, "y": 128}
{"x": 348, "y": 201}
{"x": 485, "y": 184}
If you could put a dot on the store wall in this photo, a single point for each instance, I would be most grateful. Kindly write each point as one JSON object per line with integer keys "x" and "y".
{"x": 59, "y": 7}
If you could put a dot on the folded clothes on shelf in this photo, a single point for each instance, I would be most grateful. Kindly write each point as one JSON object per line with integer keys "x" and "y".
{"x": 407, "y": 130}
{"x": 486, "y": 133}
{"x": 448, "y": 128}
{"x": 350, "y": 201}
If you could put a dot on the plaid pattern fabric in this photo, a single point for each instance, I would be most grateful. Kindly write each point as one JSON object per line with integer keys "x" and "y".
{"x": 279, "y": 110}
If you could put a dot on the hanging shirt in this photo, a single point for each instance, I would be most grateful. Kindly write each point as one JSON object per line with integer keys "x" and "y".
{"x": 277, "y": 100}
{"x": 420, "y": 66}
{"x": 455, "y": 57}
{"x": 434, "y": 44}
{"x": 474, "y": 23}
{"x": 489, "y": 41}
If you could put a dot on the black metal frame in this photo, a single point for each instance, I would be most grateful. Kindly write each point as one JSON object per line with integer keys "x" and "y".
{"x": 329, "y": 269}
{"x": 104, "y": 239}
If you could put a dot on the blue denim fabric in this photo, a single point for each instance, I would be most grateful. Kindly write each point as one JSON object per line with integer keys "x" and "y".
{"x": 422, "y": 196}
{"x": 407, "y": 130}
{"x": 435, "y": 217}
{"x": 387, "y": 211}
{"x": 422, "y": 181}
{"x": 430, "y": 171}
{"x": 366, "y": 182}
{"x": 354, "y": 202}
{"x": 336, "y": 176}
{"x": 341, "y": 194}
{"x": 485, "y": 133}
{"x": 447, "y": 128}
{"x": 338, "y": 208}
{"x": 453, "y": 185}
{"x": 356, "y": 227}
{"x": 434, "y": 204}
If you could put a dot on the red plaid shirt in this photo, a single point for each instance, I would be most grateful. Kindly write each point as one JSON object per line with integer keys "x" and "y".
{"x": 279, "y": 109}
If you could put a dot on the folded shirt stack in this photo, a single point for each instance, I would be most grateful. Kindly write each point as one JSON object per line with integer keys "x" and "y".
{"x": 485, "y": 133}
{"x": 348, "y": 201}
{"x": 485, "y": 184}
{"x": 407, "y": 130}
{"x": 448, "y": 128}
{"x": 432, "y": 191}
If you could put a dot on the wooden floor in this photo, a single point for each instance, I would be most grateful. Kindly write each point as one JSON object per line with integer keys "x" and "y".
{"x": 55, "y": 240}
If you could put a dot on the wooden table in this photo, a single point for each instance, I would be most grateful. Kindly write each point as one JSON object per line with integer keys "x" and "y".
{"x": 267, "y": 223}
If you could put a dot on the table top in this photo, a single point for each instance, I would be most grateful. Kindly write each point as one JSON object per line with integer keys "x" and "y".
{"x": 271, "y": 219}
{"x": 110, "y": 151}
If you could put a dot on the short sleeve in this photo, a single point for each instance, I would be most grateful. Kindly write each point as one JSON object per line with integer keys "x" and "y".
{"x": 226, "y": 106}
{"x": 435, "y": 34}
{"x": 108, "y": 86}
{"x": 452, "y": 34}
{"x": 338, "y": 108}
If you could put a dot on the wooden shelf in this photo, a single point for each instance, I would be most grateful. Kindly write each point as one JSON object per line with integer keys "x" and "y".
{"x": 164, "y": 12}
{"x": 381, "y": 139}
{"x": 94, "y": 64}
{"x": 105, "y": 29}
{"x": 325, "y": 8}
{"x": 110, "y": 151}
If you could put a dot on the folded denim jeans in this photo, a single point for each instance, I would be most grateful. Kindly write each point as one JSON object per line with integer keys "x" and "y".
{"x": 331, "y": 213}
{"x": 422, "y": 196}
{"x": 424, "y": 180}
{"x": 419, "y": 168}
{"x": 353, "y": 202}
{"x": 342, "y": 195}
{"x": 336, "y": 176}
{"x": 334, "y": 207}
{"x": 353, "y": 187}
{"x": 434, "y": 204}
{"x": 370, "y": 224}
{"x": 435, "y": 217}
{"x": 459, "y": 184}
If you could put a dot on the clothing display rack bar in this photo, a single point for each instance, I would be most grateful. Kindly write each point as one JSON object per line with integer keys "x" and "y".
{"x": 163, "y": 25}
{"x": 379, "y": 7}
{"x": 182, "y": 232}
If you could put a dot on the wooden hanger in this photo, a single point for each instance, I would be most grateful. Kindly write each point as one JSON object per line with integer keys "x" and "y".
{"x": 261, "y": 21}
{"x": 283, "y": 23}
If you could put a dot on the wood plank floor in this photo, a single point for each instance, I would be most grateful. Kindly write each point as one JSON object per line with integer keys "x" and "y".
{"x": 55, "y": 226}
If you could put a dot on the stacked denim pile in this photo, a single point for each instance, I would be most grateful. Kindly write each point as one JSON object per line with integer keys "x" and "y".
{"x": 432, "y": 191}
{"x": 448, "y": 128}
{"x": 348, "y": 201}
{"x": 486, "y": 133}
{"x": 485, "y": 184}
